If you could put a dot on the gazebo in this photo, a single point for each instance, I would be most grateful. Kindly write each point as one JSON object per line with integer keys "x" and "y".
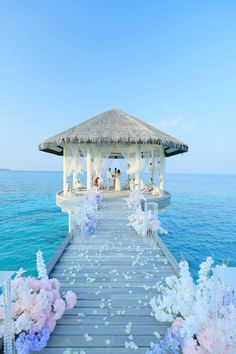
{"x": 89, "y": 146}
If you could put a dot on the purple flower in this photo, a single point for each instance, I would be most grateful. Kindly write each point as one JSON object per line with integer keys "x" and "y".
{"x": 171, "y": 344}
{"x": 229, "y": 298}
{"x": 33, "y": 341}
{"x": 91, "y": 222}
{"x": 22, "y": 344}
{"x": 98, "y": 200}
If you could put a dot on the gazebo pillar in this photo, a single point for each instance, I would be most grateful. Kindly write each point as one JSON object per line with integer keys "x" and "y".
{"x": 138, "y": 167}
{"x": 152, "y": 167}
{"x": 162, "y": 173}
{"x": 89, "y": 169}
{"x": 74, "y": 179}
{"x": 64, "y": 171}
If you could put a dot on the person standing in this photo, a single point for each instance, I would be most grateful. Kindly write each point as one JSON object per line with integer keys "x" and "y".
{"x": 109, "y": 178}
{"x": 117, "y": 181}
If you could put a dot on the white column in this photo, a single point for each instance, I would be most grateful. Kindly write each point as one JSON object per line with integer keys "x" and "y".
{"x": 64, "y": 171}
{"x": 162, "y": 173}
{"x": 138, "y": 167}
{"x": 152, "y": 167}
{"x": 74, "y": 179}
{"x": 89, "y": 169}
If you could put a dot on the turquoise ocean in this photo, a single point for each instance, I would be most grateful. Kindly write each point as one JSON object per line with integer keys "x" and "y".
{"x": 201, "y": 219}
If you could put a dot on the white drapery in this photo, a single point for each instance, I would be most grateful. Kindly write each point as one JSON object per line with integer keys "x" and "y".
{"x": 136, "y": 157}
{"x": 75, "y": 159}
{"x": 100, "y": 159}
{"x": 132, "y": 163}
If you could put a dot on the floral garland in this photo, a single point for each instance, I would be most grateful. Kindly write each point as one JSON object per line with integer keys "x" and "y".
{"x": 36, "y": 306}
{"x": 90, "y": 221}
{"x": 94, "y": 200}
{"x": 134, "y": 199}
{"x": 203, "y": 314}
{"x": 142, "y": 222}
{"x": 85, "y": 216}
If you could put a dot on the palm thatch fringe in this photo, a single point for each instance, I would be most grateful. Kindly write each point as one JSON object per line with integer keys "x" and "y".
{"x": 113, "y": 126}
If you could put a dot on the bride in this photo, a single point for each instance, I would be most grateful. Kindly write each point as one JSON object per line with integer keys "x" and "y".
{"x": 117, "y": 181}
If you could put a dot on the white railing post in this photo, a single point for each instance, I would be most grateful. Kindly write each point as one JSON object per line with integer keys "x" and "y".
{"x": 154, "y": 209}
{"x": 8, "y": 339}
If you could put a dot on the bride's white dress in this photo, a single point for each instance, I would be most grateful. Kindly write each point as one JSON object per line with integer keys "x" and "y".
{"x": 117, "y": 183}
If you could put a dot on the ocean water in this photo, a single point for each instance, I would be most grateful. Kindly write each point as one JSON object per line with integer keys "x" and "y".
{"x": 201, "y": 219}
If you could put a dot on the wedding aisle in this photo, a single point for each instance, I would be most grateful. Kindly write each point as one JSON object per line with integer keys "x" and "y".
{"x": 114, "y": 274}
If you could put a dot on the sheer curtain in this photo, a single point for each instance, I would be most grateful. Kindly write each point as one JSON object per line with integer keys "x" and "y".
{"x": 100, "y": 159}
{"x": 75, "y": 159}
{"x": 71, "y": 152}
{"x": 131, "y": 162}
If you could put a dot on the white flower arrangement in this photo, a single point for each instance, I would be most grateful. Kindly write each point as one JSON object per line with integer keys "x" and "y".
{"x": 203, "y": 314}
{"x": 144, "y": 222}
{"x": 134, "y": 199}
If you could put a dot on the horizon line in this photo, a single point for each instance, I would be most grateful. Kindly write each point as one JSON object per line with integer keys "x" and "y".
{"x": 177, "y": 173}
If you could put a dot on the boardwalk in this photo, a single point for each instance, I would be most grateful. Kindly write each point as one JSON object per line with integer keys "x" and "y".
{"x": 114, "y": 274}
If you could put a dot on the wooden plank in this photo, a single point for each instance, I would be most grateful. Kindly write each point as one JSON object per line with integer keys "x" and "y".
{"x": 101, "y": 329}
{"x": 114, "y": 274}
{"x": 113, "y": 320}
{"x": 98, "y": 341}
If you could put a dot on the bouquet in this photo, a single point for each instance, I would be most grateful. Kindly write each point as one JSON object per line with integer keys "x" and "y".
{"x": 36, "y": 306}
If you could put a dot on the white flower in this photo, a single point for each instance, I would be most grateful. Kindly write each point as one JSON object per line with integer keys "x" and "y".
{"x": 22, "y": 323}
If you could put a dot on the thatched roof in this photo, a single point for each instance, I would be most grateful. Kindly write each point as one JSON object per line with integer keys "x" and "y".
{"x": 113, "y": 126}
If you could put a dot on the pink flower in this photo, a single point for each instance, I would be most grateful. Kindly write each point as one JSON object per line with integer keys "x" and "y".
{"x": 71, "y": 299}
{"x": 177, "y": 324}
{"x": 191, "y": 347}
{"x": 209, "y": 339}
{"x": 50, "y": 296}
{"x": 56, "y": 294}
{"x": 51, "y": 324}
{"x": 39, "y": 323}
{"x": 59, "y": 308}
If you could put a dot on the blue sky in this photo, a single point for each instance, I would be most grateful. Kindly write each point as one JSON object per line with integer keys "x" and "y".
{"x": 170, "y": 63}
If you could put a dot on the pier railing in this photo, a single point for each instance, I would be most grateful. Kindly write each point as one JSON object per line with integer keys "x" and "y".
{"x": 153, "y": 206}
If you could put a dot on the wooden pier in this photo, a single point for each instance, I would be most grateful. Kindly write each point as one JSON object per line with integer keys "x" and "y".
{"x": 114, "y": 274}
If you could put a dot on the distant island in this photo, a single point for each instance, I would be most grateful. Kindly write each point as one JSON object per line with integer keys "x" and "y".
{"x": 5, "y": 169}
